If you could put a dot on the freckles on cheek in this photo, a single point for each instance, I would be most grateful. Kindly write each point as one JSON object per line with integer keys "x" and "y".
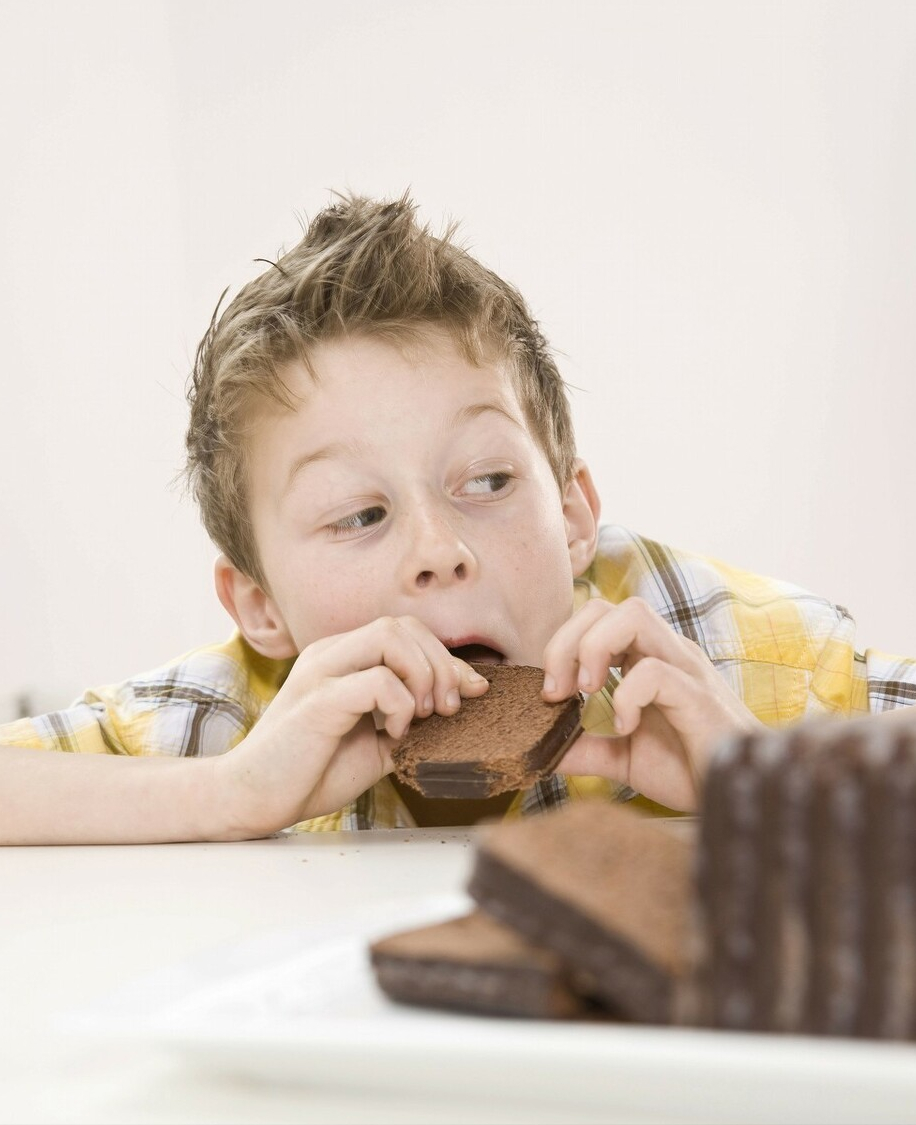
{"x": 341, "y": 602}
{"x": 526, "y": 550}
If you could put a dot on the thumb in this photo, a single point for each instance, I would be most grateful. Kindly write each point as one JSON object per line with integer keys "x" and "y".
{"x": 595, "y": 755}
{"x": 385, "y": 745}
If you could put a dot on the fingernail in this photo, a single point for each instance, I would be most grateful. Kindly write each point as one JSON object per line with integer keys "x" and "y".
{"x": 618, "y": 724}
{"x": 428, "y": 703}
{"x": 474, "y": 677}
{"x": 550, "y": 684}
{"x": 584, "y": 679}
{"x": 453, "y": 699}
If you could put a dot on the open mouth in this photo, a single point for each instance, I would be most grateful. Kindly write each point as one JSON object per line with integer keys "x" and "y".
{"x": 478, "y": 654}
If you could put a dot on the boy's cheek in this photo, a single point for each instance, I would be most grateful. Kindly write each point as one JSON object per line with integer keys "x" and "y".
{"x": 333, "y": 608}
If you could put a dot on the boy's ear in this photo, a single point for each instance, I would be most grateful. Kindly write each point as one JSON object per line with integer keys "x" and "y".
{"x": 581, "y": 510}
{"x": 257, "y": 616}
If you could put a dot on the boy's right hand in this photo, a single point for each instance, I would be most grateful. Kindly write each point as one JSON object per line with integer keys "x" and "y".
{"x": 672, "y": 705}
{"x": 327, "y": 735}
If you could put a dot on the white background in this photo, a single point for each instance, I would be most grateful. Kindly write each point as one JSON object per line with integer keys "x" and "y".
{"x": 710, "y": 207}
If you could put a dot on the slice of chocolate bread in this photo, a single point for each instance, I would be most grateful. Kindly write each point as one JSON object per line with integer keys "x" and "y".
{"x": 475, "y": 964}
{"x": 806, "y": 889}
{"x": 507, "y": 739}
{"x": 602, "y": 886}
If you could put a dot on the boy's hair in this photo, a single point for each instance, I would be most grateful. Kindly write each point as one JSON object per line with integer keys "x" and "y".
{"x": 363, "y": 267}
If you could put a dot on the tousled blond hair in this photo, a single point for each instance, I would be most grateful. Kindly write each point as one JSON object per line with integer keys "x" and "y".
{"x": 363, "y": 266}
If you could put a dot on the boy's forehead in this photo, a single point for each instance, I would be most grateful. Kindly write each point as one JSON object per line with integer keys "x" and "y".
{"x": 428, "y": 348}
{"x": 374, "y": 367}
{"x": 357, "y": 394}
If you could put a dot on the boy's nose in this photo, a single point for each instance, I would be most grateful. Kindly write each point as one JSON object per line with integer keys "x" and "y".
{"x": 437, "y": 554}
{"x": 425, "y": 577}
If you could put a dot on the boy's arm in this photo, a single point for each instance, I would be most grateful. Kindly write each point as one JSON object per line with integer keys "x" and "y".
{"x": 49, "y": 797}
{"x": 324, "y": 739}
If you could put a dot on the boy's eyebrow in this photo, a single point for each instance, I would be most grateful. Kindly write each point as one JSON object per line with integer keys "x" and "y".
{"x": 467, "y": 413}
{"x": 336, "y": 448}
{"x": 325, "y": 453}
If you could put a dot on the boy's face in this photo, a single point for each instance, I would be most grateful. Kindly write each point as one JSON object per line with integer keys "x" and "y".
{"x": 407, "y": 482}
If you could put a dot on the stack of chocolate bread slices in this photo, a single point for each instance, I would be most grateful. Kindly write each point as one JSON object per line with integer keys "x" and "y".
{"x": 583, "y": 910}
{"x": 806, "y": 884}
{"x": 792, "y": 909}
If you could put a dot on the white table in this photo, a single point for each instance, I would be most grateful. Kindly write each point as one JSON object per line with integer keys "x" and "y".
{"x": 78, "y": 923}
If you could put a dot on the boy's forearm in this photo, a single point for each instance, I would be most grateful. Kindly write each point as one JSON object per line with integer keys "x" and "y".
{"x": 50, "y": 797}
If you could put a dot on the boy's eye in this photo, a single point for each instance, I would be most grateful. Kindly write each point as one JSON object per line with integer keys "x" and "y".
{"x": 488, "y": 483}
{"x": 366, "y": 517}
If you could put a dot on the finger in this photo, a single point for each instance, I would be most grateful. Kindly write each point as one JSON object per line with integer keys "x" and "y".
{"x": 383, "y": 642}
{"x": 681, "y": 704}
{"x": 561, "y": 655}
{"x": 385, "y": 745}
{"x": 436, "y": 679}
{"x": 471, "y": 682}
{"x": 610, "y": 635}
{"x": 453, "y": 678}
{"x": 359, "y": 761}
{"x": 591, "y": 755}
{"x": 632, "y": 631}
{"x": 337, "y": 704}
{"x": 361, "y": 756}
{"x": 676, "y": 693}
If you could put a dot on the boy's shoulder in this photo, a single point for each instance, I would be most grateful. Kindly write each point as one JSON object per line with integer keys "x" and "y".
{"x": 730, "y": 612}
{"x": 230, "y": 671}
{"x": 201, "y": 703}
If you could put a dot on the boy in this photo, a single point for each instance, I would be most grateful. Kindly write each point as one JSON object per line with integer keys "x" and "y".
{"x": 382, "y": 450}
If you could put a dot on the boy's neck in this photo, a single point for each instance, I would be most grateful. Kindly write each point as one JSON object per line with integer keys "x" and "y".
{"x": 442, "y": 812}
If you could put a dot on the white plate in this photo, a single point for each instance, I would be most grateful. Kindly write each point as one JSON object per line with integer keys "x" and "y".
{"x": 302, "y": 1006}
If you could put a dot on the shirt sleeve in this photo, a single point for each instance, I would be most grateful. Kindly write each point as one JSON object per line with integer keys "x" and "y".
{"x": 82, "y": 728}
{"x": 786, "y": 652}
{"x": 198, "y": 706}
{"x": 847, "y": 682}
{"x": 883, "y": 682}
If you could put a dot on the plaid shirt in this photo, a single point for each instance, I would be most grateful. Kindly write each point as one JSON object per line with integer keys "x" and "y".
{"x": 785, "y": 652}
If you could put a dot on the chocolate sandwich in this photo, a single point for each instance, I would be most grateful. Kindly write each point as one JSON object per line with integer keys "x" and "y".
{"x": 605, "y": 889}
{"x": 475, "y": 964}
{"x": 507, "y": 739}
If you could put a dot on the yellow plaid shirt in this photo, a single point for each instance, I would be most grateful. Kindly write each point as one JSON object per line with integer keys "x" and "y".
{"x": 787, "y": 653}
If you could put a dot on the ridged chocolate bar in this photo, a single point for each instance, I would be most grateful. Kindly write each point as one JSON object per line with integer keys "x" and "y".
{"x": 806, "y": 887}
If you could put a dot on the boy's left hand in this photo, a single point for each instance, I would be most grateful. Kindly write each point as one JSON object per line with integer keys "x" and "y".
{"x": 671, "y": 704}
